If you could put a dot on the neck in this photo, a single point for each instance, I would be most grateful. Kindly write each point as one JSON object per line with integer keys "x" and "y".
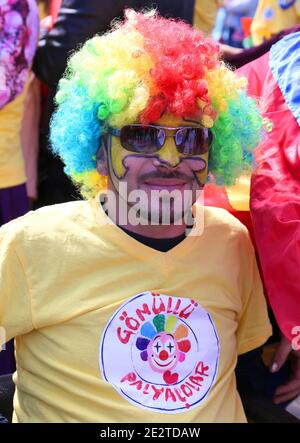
{"x": 121, "y": 214}
{"x": 158, "y": 231}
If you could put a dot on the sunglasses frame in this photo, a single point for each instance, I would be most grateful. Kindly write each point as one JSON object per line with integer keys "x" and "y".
{"x": 118, "y": 132}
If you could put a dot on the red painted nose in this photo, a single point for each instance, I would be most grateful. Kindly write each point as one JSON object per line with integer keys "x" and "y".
{"x": 163, "y": 355}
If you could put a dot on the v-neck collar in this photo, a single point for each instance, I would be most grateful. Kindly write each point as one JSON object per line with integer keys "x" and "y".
{"x": 162, "y": 244}
{"x": 134, "y": 247}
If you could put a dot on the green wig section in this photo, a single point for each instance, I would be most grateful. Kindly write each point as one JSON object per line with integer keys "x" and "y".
{"x": 237, "y": 131}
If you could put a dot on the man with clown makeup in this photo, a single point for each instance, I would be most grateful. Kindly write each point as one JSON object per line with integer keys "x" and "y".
{"x": 117, "y": 314}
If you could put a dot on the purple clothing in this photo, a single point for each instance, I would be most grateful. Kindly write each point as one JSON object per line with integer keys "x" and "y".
{"x": 19, "y": 29}
{"x": 13, "y": 204}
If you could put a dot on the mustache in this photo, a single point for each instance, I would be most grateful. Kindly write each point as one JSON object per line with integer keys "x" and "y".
{"x": 166, "y": 175}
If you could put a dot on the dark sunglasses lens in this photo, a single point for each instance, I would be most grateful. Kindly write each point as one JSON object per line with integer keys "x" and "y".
{"x": 193, "y": 141}
{"x": 141, "y": 139}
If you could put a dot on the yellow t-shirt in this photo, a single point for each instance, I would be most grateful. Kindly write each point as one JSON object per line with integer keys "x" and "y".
{"x": 205, "y": 14}
{"x": 12, "y": 169}
{"x": 110, "y": 330}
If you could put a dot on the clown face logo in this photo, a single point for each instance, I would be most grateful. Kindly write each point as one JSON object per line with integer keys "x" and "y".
{"x": 169, "y": 351}
{"x": 162, "y": 347}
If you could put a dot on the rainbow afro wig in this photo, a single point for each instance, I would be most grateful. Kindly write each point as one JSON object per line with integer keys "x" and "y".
{"x": 144, "y": 67}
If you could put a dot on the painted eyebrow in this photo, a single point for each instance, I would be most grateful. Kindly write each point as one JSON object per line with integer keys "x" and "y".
{"x": 190, "y": 121}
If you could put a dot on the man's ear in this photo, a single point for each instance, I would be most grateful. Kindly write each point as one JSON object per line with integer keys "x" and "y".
{"x": 101, "y": 157}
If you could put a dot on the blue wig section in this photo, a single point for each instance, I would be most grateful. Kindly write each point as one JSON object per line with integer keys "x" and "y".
{"x": 285, "y": 67}
{"x": 75, "y": 132}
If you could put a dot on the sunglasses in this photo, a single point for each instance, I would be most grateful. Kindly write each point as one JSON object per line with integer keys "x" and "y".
{"x": 150, "y": 139}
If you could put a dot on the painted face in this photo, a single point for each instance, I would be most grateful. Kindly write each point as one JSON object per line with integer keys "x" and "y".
{"x": 166, "y": 170}
{"x": 163, "y": 353}
{"x": 168, "y": 154}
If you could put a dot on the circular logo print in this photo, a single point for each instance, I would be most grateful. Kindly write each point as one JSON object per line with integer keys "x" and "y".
{"x": 160, "y": 352}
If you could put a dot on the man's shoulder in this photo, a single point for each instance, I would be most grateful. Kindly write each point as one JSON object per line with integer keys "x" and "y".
{"x": 221, "y": 219}
{"x": 42, "y": 222}
{"x": 223, "y": 228}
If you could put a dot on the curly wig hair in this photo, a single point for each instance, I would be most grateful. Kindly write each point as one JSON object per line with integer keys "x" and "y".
{"x": 144, "y": 67}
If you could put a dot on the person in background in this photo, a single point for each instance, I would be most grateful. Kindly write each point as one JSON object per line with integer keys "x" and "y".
{"x": 17, "y": 46}
{"x": 235, "y": 10}
{"x": 275, "y": 197}
{"x": 248, "y": 55}
{"x": 18, "y": 39}
{"x": 210, "y": 16}
{"x": 273, "y": 16}
{"x": 35, "y": 98}
{"x": 205, "y": 15}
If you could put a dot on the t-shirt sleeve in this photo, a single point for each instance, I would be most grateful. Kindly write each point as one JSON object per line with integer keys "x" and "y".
{"x": 15, "y": 304}
{"x": 254, "y": 327}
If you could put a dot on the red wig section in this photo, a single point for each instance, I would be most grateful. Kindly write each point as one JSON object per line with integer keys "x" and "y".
{"x": 181, "y": 58}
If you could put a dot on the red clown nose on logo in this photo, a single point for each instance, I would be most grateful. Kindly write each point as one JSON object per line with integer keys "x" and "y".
{"x": 163, "y": 355}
